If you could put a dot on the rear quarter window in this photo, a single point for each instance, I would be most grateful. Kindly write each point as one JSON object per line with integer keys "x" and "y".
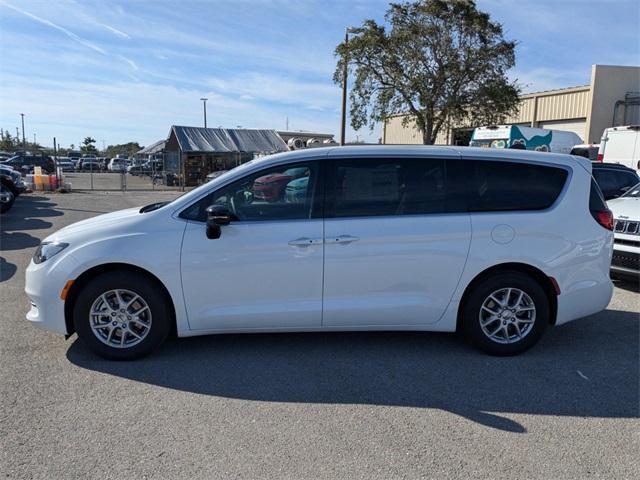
{"x": 507, "y": 186}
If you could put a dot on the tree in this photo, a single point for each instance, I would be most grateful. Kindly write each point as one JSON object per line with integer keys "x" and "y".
{"x": 88, "y": 145}
{"x": 441, "y": 62}
{"x": 7, "y": 142}
{"x": 128, "y": 149}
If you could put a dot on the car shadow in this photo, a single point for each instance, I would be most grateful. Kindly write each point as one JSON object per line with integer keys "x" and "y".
{"x": 587, "y": 368}
{"x": 7, "y": 269}
{"x": 24, "y": 216}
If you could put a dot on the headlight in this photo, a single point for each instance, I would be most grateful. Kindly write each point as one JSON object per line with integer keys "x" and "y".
{"x": 46, "y": 250}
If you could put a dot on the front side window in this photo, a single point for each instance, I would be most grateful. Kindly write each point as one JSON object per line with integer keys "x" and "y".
{"x": 508, "y": 186}
{"x": 286, "y": 192}
{"x": 388, "y": 186}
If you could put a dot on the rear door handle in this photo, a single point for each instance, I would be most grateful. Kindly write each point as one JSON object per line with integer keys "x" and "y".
{"x": 305, "y": 242}
{"x": 343, "y": 239}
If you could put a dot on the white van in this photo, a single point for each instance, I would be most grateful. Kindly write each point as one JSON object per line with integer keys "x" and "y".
{"x": 621, "y": 145}
{"x": 367, "y": 238}
{"x": 512, "y": 136}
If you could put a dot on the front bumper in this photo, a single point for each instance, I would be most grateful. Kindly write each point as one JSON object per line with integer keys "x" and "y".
{"x": 43, "y": 285}
{"x": 625, "y": 263}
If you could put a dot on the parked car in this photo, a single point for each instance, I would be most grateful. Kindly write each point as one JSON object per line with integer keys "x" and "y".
{"x": 625, "y": 261}
{"x": 296, "y": 190}
{"x": 215, "y": 174}
{"x": 271, "y": 187}
{"x": 614, "y": 179}
{"x": 16, "y": 177}
{"x": 65, "y": 164}
{"x": 586, "y": 150}
{"x": 621, "y": 145}
{"x": 8, "y": 192}
{"x": 383, "y": 242}
{"x": 117, "y": 165}
{"x": 91, "y": 165}
{"x": 26, "y": 163}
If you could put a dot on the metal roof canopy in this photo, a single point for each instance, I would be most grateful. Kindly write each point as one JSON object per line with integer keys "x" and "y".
{"x": 224, "y": 140}
{"x": 155, "y": 147}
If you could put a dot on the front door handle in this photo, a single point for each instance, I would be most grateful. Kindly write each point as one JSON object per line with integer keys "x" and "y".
{"x": 343, "y": 239}
{"x": 305, "y": 242}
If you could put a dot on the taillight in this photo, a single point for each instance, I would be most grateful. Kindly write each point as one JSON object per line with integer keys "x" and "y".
{"x": 604, "y": 218}
{"x": 600, "y": 157}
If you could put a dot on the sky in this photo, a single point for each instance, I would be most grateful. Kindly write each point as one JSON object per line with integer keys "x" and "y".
{"x": 122, "y": 71}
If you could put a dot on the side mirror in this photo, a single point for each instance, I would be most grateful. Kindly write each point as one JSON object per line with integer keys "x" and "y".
{"x": 217, "y": 215}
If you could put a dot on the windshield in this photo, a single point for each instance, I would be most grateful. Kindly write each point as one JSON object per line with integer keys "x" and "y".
{"x": 633, "y": 192}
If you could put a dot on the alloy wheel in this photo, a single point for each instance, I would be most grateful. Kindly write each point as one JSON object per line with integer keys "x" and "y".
{"x": 507, "y": 315}
{"x": 120, "y": 318}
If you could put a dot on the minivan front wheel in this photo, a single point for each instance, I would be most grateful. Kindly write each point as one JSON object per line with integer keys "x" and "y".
{"x": 506, "y": 313}
{"x": 121, "y": 316}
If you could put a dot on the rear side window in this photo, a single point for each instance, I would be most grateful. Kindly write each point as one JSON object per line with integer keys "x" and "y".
{"x": 596, "y": 200}
{"x": 509, "y": 186}
{"x": 369, "y": 187}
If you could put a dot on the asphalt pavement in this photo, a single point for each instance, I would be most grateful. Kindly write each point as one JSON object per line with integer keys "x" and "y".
{"x": 308, "y": 406}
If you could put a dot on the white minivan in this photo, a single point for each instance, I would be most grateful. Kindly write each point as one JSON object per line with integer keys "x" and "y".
{"x": 498, "y": 244}
{"x": 621, "y": 145}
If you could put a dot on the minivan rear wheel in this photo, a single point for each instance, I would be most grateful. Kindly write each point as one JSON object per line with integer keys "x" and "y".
{"x": 121, "y": 315}
{"x": 506, "y": 314}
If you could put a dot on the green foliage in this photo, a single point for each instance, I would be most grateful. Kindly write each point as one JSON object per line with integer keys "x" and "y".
{"x": 88, "y": 145}
{"x": 442, "y": 62}
{"x": 9, "y": 143}
{"x": 128, "y": 149}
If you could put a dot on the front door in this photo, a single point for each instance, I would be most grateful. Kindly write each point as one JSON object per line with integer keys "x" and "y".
{"x": 397, "y": 243}
{"x": 265, "y": 270}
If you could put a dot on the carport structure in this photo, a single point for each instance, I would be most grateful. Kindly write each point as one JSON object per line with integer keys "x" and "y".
{"x": 194, "y": 152}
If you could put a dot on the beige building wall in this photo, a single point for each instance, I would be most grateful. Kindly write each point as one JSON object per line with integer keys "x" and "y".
{"x": 586, "y": 110}
{"x": 609, "y": 84}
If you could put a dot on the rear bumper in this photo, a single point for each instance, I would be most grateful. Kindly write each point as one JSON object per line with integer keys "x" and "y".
{"x": 583, "y": 300}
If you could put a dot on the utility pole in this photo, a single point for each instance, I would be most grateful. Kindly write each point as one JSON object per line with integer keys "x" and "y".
{"x": 24, "y": 141}
{"x": 204, "y": 108}
{"x": 34, "y": 139}
{"x": 343, "y": 120}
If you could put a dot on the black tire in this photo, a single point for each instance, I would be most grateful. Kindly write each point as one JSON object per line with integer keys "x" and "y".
{"x": 471, "y": 316}
{"x": 148, "y": 290}
{"x": 6, "y": 206}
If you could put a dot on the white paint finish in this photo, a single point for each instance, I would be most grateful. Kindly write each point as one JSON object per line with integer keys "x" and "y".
{"x": 252, "y": 277}
{"x": 402, "y": 270}
{"x": 621, "y": 145}
{"x": 395, "y": 273}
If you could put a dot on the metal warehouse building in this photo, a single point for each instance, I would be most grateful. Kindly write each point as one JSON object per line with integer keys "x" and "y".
{"x": 612, "y": 98}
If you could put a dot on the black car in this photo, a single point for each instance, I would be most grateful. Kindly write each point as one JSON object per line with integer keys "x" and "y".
{"x": 26, "y": 163}
{"x": 614, "y": 179}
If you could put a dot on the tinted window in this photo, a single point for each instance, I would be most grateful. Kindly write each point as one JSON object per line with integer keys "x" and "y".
{"x": 383, "y": 186}
{"x": 612, "y": 182}
{"x": 281, "y": 193}
{"x": 596, "y": 201}
{"x": 507, "y": 186}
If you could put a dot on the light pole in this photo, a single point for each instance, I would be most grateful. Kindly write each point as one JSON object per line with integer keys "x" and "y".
{"x": 204, "y": 109}
{"x": 343, "y": 120}
{"x": 24, "y": 141}
{"x": 34, "y": 139}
